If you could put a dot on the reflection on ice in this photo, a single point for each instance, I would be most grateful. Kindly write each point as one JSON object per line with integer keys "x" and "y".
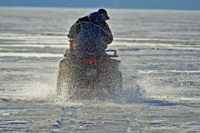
{"x": 167, "y": 71}
{"x": 39, "y": 55}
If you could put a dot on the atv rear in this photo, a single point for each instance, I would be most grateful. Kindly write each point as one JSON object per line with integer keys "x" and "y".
{"x": 89, "y": 75}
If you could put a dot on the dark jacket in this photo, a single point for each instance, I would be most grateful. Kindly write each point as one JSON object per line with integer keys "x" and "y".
{"x": 90, "y": 38}
{"x": 95, "y": 18}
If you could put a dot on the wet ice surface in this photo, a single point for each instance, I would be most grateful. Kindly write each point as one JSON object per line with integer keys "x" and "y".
{"x": 160, "y": 93}
{"x": 160, "y": 78}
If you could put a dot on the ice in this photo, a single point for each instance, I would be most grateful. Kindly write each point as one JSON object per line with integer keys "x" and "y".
{"x": 159, "y": 53}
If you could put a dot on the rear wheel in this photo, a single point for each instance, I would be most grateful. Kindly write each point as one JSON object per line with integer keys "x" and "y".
{"x": 59, "y": 83}
{"x": 119, "y": 81}
{"x": 113, "y": 85}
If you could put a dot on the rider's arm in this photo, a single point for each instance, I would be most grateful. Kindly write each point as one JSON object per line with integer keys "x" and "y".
{"x": 108, "y": 34}
{"x": 75, "y": 28}
{"x": 85, "y": 19}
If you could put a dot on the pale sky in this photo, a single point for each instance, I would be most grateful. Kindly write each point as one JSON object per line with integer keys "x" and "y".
{"x": 133, "y": 4}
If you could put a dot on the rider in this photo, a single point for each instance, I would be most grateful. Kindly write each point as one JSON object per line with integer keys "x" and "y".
{"x": 91, "y": 30}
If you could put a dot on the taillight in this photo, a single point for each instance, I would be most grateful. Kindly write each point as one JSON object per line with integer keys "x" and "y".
{"x": 91, "y": 61}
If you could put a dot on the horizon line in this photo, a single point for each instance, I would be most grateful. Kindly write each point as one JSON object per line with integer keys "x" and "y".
{"x": 103, "y": 7}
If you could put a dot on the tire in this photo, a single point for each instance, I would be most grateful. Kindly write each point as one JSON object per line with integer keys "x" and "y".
{"x": 59, "y": 83}
{"x": 119, "y": 80}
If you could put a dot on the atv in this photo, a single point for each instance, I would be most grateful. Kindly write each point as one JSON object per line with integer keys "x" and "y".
{"x": 86, "y": 74}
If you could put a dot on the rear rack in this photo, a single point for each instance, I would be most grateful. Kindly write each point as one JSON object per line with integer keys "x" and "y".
{"x": 114, "y": 52}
